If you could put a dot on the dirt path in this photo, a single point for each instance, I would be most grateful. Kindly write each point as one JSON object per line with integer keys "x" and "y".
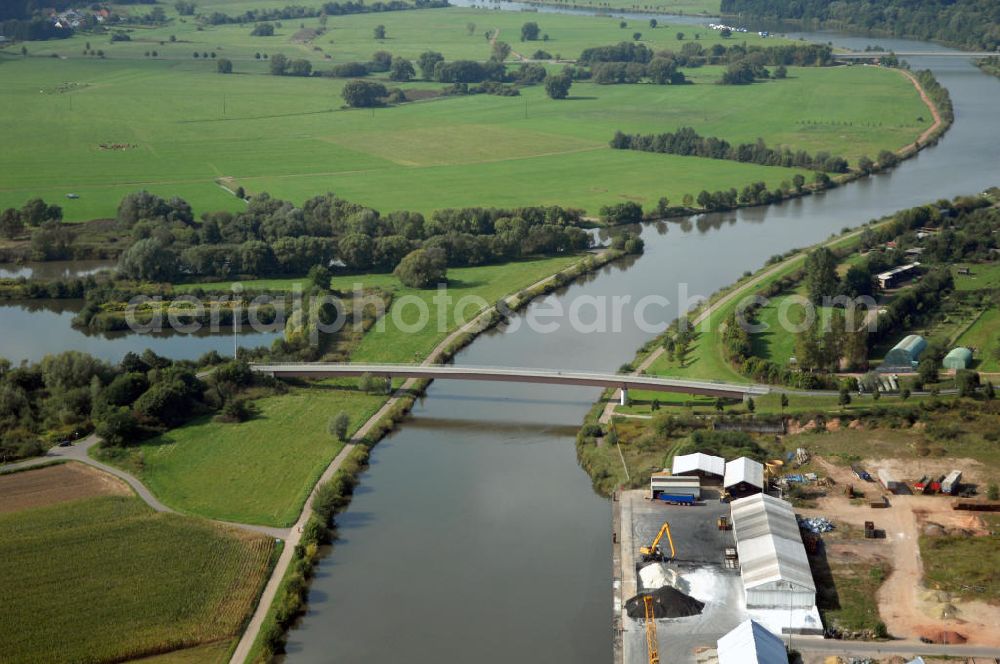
{"x": 930, "y": 105}
{"x": 901, "y": 605}
{"x": 436, "y": 356}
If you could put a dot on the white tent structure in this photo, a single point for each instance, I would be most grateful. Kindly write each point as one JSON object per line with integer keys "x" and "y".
{"x": 751, "y": 643}
{"x": 744, "y": 476}
{"x": 773, "y": 562}
{"x": 699, "y": 464}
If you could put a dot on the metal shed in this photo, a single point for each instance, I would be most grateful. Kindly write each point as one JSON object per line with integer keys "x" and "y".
{"x": 951, "y": 482}
{"x": 905, "y": 354}
{"x": 674, "y": 484}
{"x": 773, "y": 561}
{"x": 702, "y": 465}
{"x": 751, "y": 643}
{"x": 958, "y": 358}
{"x": 743, "y": 477}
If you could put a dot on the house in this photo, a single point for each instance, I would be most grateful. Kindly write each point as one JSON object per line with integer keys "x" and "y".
{"x": 710, "y": 468}
{"x": 744, "y": 477}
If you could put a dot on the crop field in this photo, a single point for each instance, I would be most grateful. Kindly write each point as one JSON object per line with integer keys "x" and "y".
{"x": 259, "y": 471}
{"x": 56, "y": 484}
{"x": 107, "y": 579}
{"x": 188, "y": 130}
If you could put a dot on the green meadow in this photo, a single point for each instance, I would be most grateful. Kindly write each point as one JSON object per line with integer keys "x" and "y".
{"x": 190, "y": 130}
{"x": 259, "y": 471}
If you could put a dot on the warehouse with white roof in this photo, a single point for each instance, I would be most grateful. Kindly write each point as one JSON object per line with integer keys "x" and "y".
{"x": 708, "y": 467}
{"x": 773, "y": 562}
{"x": 751, "y": 643}
{"x": 744, "y": 477}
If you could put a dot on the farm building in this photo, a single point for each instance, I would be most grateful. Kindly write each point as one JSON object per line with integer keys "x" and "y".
{"x": 958, "y": 358}
{"x": 897, "y": 275}
{"x": 708, "y": 467}
{"x": 773, "y": 562}
{"x": 683, "y": 485}
{"x": 904, "y": 355}
{"x": 744, "y": 477}
{"x": 751, "y": 643}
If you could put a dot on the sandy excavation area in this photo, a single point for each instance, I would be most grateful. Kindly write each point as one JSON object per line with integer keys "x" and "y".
{"x": 907, "y": 607}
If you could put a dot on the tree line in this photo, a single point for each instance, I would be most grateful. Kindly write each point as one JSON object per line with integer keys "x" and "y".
{"x": 967, "y": 23}
{"x": 687, "y": 142}
{"x": 290, "y": 12}
{"x": 277, "y": 237}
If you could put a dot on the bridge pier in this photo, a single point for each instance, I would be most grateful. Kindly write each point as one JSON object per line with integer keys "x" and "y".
{"x": 623, "y": 400}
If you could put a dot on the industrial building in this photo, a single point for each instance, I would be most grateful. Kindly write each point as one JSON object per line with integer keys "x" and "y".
{"x": 751, "y": 643}
{"x": 773, "y": 562}
{"x": 897, "y": 275}
{"x": 675, "y": 485}
{"x": 744, "y": 477}
{"x": 710, "y": 468}
{"x": 957, "y": 358}
{"x": 905, "y": 354}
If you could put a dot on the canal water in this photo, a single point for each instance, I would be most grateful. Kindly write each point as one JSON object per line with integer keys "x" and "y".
{"x": 475, "y": 535}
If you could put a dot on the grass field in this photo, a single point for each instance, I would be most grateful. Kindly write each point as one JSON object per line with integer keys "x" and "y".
{"x": 705, "y": 7}
{"x": 107, "y": 579}
{"x": 965, "y": 566}
{"x": 288, "y": 136}
{"x": 259, "y": 471}
{"x": 984, "y": 337}
{"x": 982, "y": 277}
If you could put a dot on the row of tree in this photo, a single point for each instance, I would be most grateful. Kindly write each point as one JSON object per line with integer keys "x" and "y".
{"x": 967, "y": 23}
{"x": 291, "y": 12}
{"x": 689, "y": 143}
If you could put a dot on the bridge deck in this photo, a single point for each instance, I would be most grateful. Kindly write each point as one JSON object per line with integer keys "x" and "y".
{"x": 515, "y": 375}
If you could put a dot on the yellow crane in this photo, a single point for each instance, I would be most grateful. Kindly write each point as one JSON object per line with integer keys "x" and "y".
{"x": 653, "y": 551}
{"x": 651, "y": 646}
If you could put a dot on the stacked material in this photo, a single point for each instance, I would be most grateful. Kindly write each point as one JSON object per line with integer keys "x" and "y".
{"x": 668, "y": 602}
{"x": 816, "y": 524}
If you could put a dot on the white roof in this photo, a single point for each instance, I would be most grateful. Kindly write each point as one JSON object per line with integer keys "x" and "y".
{"x": 751, "y": 643}
{"x": 744, "y": 470}
{"x": 675, "y": 480}
{"x": 687, "y": 463}
{"x": 769, "y": 543}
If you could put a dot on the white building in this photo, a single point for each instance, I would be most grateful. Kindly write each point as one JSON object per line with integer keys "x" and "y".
{"x": 674, "y": 485}
{"x": 751, "y": 643}
{"x": 703, "y": 465}
{"x": 743, "y": 477}
{"x": 773, "y": 562}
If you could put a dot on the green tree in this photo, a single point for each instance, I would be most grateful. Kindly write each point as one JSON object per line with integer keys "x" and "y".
{"x": 379, "y": 32}
{"x": 500, "y": 51}
{"x": 784, "y": 402}
{"x": 148, "y": 260}
{"x": 905, "y": 394}
{"x": 990, "y": 392}
{"x": 320, "y": 276}
{"x": 719, "y": 406}
{"x": 780, "y": 72}
{"x": 428, "y": 62}
{"x": 680, "y": 36}
{"x": 401, "y": 70}
{"x": 279, "y": 65}
{"x": 11, "y": 225}
{"x": 224, "y": 66}
{"x": 338, "y": 425}
{"x": 117, "y": 428}
{"x": 636, "y": 36}
{"x": 821, "y": 274}
{"x": 751, "y": 406}
{"x": 356, "y": 250}
{"x": 422, "y": 268}
{"x": 798, "y": 181}
{"x": 36, "y": 212}
{"x": 363, "y": 94}
{"x": 530, "y": 31}
{"x": 844, "y": 398}
{"x": 928, "y": 368}
{"x": 557, "y": 87}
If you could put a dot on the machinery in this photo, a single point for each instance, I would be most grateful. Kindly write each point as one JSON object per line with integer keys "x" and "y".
{"x": 653, "y": 551}
{"x": 651, "y": 646}
{"x": 723, "y": 523}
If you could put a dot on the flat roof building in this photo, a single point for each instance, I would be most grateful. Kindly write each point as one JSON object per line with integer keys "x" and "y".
{"x": 897, "y": 275}
{"x": 674, "y": 485}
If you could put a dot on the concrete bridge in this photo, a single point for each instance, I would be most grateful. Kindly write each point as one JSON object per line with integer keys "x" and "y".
{"x": 514, "y": 375}
{"x": 874, "y": 55}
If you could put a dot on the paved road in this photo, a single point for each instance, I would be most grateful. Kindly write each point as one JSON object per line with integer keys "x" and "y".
{"x": 887, "y": 648}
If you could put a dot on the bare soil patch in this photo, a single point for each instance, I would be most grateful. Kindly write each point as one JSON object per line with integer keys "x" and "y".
{"x": 56, "y": 484}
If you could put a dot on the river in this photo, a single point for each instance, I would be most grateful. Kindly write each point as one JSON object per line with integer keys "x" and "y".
{"x": 475, "y": 535}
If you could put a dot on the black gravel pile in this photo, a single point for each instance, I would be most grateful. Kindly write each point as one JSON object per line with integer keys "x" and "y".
{"x": 668, "y": 602}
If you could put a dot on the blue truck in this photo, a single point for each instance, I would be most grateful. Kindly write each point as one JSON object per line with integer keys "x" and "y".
{"x": 676, "y": 498}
